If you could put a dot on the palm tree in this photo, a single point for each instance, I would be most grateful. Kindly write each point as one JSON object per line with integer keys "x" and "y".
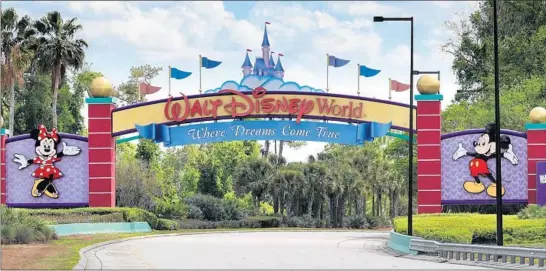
{"x": 57, "y": 50}
{"x": 16, "y": 34}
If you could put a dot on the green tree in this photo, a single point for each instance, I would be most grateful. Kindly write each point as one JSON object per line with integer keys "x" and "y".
{"x": 57, "y": 50}
{"x": 16, "y": 34}
{"x": 129, "y": 92}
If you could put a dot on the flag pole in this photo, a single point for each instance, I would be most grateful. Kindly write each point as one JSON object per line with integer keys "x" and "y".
{"x": 327, "y": 64}
{"x": 390, "y": 89}
{"x": 170, "y": 80}
{"x": 358, "y": 79}
{"x": 200, "y": 67}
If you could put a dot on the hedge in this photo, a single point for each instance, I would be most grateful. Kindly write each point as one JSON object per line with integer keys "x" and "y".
{"x": 85, "y": 215}
{"x": 468, "y": 228}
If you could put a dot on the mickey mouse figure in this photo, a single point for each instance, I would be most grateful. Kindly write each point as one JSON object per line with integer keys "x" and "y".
{"x": 484, "y": 150}
{"x": 46, "y": 149}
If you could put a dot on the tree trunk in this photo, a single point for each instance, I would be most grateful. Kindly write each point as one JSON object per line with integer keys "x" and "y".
{"x": 276, "y": 203}
{"x": 281, "y": 146}
{"x": 379, "y": 210}
{"x": 289, "y": 206}
{"x": 55, "y": 78}
{"x": 282, "y": 204}
{"x": 373, "y": 201}
{"x": 358, "y": 206}
{"x": 11, "y": 80}
{"x": 332, "y": 213}
{"x": 364, "y": 205}
{"x": 391, "y": 203}
{"x": 341, "y": 212}
{"x": 275, "y": 141}
{"x": 267, "y": 144}
{"x": 310, "y": 204}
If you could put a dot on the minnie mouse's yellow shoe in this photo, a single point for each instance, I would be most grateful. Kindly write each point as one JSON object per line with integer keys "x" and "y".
{"x": 52, "y": 194}
{"x": 492, "y": 190}
{"x": 35, "y": 193}
{"x": 473, "y": 187}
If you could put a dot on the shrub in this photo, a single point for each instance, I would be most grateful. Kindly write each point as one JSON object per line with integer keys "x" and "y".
{"x": 305, "y": 221}
{"x": 215, "y": 209}
{"x": 378, "y": 222}
{"x": 266, "y": 209}
{"x": 195, "y": 213}
{"x": 532, "y": 211}
{"x": 18, "y": 226}
{"x": 356, "y": 222}
{"x": 266, "y": 221}
{"x": 474, "y": 228}
{"x": 210, "y": 206}
{"x": 167, "y": 224}
{"x": 78, "y": 215}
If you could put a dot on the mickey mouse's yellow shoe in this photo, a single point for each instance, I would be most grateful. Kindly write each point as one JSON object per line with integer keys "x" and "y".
{"x": 34, "y": 190}
{"x": 473, "y": 187}
{"x": 492, "y": 190}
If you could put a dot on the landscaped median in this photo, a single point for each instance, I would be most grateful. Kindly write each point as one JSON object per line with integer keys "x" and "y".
{"x": 469, "y": 228}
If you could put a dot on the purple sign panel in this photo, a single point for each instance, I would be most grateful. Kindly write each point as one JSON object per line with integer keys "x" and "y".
{"x": 541, "y": 183}
{"x": 469, "y": 171}
{"x": 47, "y": 169}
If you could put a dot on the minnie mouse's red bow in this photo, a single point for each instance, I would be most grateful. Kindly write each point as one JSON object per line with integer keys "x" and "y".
{"x": 44, "y": 134}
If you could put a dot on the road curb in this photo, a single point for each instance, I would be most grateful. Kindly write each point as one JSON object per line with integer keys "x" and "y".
{"x": 82, "y": 263}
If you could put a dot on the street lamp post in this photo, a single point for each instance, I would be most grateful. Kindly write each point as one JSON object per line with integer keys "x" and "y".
{"x": 410, "y": 152}
{"x": 497, "y": 126}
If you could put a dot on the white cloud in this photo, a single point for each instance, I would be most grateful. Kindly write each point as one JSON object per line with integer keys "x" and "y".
{"x": 359, "y": 8}
{"x": 442, "y": 4}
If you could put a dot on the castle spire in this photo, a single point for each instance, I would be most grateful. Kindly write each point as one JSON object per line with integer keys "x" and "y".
{"x": 279, "y": 67}
{"x": 247, "y": 62}
{"x": 265, "y": 41}
{"x": 271, "y": 61}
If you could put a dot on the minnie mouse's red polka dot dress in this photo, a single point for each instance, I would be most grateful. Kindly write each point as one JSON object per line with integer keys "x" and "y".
{"x": 47, "y": 169}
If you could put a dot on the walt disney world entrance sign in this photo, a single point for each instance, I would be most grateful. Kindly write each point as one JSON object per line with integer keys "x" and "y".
{"x": 172, "y": 121}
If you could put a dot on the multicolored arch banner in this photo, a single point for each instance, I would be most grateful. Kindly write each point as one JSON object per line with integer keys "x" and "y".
{"x": 231, "y": 104}
{"x": 348, "y": 134}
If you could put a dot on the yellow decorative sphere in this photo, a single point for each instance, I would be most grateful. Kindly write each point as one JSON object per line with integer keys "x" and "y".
{"x": 428, "y": 85}
{"x": 101, "y": 87}
{"x": 538, "y": 115}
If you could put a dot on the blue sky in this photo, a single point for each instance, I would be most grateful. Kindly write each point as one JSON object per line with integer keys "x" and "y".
{"x": 126, "y": 34}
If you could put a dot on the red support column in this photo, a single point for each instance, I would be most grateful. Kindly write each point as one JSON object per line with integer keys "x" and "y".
{"x": 102, "y": 153}
{"x": 429, "y": 154}
{"x": 536, "y": 152}
{"x": 3, "y": 191}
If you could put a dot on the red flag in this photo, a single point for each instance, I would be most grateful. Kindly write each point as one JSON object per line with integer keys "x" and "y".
{"x": 248, "y": 50}
{"x": 280, "y": 54}
{"x": 146, "y": 89}
{"x": 267, "y": 23}
{"x": 398, "y": 87}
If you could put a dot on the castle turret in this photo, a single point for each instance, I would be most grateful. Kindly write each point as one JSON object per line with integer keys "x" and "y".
{"x": 271, "y": 62}
{"x": 279, "y": 70}
{"x": 247, "y": 65}
{"x": 265, "y": 45}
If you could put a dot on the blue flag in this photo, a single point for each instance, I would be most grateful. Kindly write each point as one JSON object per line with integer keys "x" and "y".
{"x": 178, "y": 74}
{"x": 367, "y": 72}
{"x": 337, "y": 62}
{"x": 209, "y": 64}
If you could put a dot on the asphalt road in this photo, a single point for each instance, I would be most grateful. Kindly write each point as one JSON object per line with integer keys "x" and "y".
{"x": 251, "y": 250}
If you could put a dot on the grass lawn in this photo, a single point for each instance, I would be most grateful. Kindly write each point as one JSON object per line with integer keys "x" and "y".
{"x": 64, "y": 254}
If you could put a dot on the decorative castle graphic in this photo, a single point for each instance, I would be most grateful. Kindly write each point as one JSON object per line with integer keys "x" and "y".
{"x": 264, "y": 66}
{"x": 263, "y": 73}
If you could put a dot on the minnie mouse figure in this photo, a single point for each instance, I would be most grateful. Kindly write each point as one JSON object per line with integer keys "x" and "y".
{"x": 484, "y": 150}
{"x": 46, "y": 149}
